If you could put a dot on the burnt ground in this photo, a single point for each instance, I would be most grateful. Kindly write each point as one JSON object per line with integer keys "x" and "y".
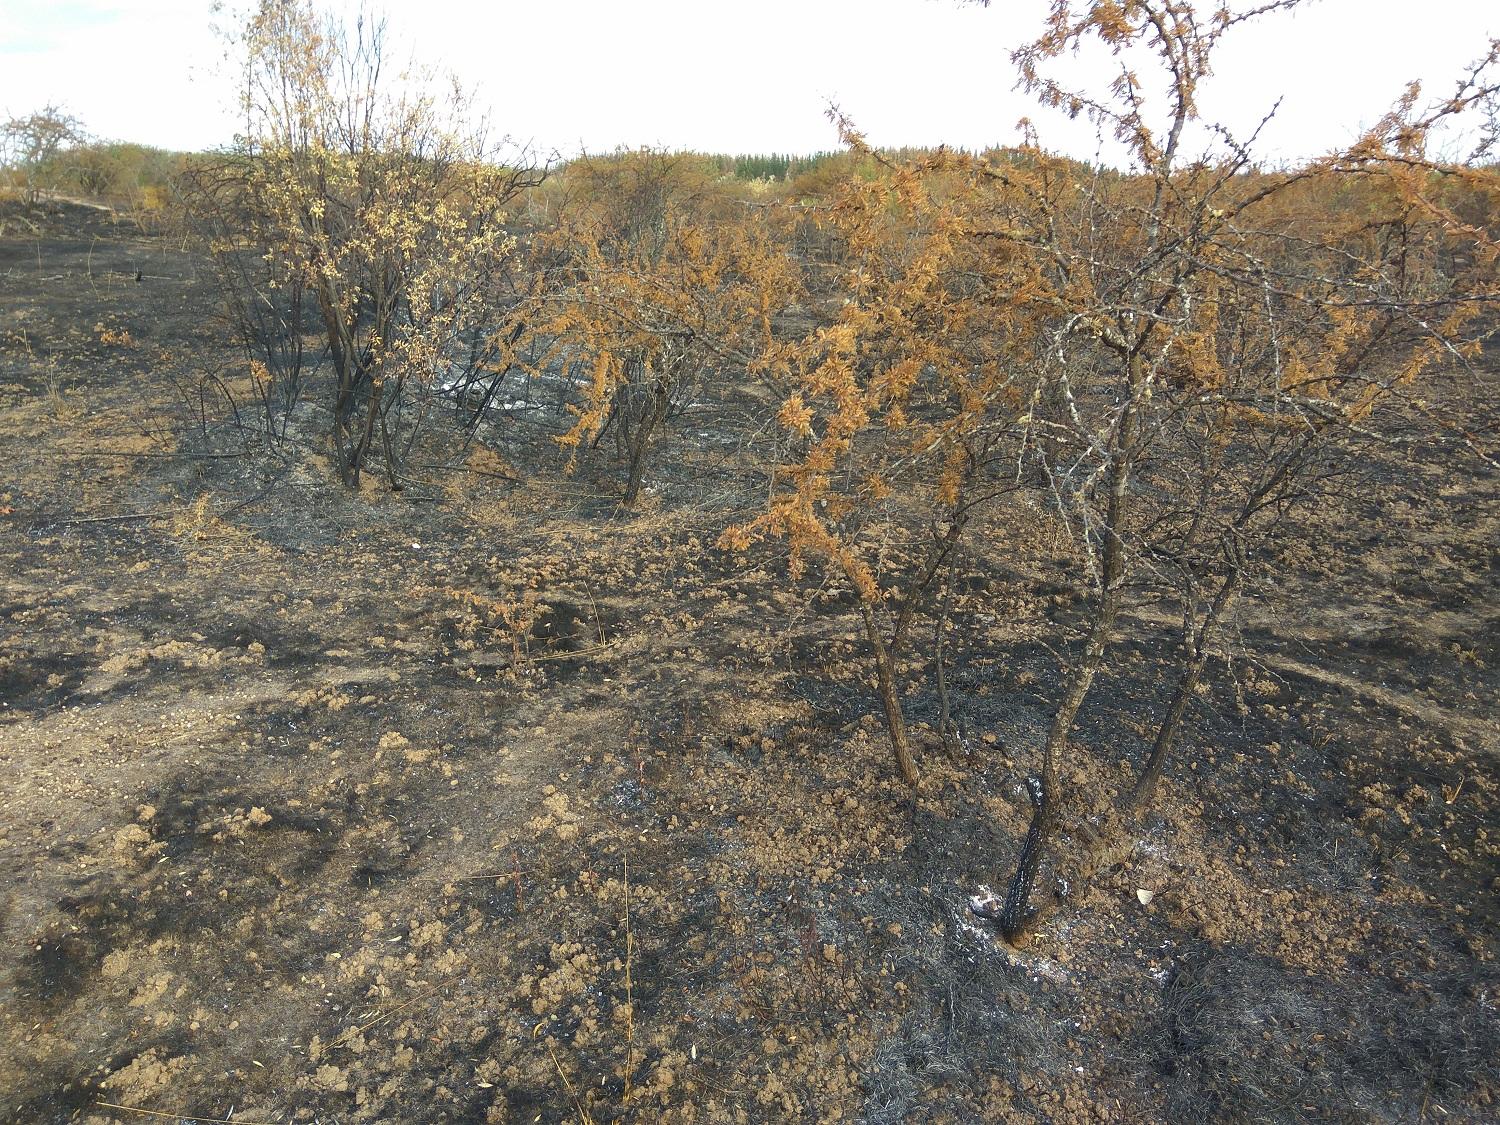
{"x": 481, "y": 801}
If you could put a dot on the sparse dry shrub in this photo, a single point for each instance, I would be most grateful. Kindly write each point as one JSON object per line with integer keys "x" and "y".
{"x": 379, "y": 201}
{"x": 205, "y": 537}
{"x": 112, "y": 337}
{"x": 512, "y": 618}
{"x": 901, "y": 403}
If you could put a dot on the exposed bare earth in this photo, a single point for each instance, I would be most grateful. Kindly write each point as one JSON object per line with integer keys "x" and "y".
{"x": 291, "y": 831}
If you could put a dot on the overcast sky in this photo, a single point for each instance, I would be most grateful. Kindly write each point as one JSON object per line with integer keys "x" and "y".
{"x": 747, "y": 76}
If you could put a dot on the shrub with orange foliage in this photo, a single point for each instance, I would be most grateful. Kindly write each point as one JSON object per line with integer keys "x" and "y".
{"x": 668, "y": 282}
{"x": 1169, "y": 357}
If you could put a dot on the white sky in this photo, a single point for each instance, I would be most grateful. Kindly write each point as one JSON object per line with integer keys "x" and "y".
{"x": 741, "y": 76}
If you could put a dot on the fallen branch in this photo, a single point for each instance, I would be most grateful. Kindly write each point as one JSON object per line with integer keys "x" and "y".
{"x": 184, "y": 1116}
{"x": 160, "y": 456}
{"x": 157, "y": 514}
{"x": 160, "y": 513}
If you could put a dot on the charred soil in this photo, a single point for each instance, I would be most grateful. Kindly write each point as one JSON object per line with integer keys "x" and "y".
{"x": 296, "y": 827}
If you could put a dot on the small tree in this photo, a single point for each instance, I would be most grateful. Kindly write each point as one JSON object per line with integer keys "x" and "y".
{"x": 1238, "y": 331}
{"x": 1169, "y": 356}
{"x": 906, "y": 397}
{"x": 29, "y": 146}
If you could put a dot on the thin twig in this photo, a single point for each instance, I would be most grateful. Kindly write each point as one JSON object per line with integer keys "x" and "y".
{"x": 583, "y": 1115}
{"x": 579, "y": 655}
{"x": 629, "y": 997}
{"x": 157, "y": 514}
{"x": 353, "y": 1031}
{"x": 598, "y": 621}
{"x": 183, "y": 1116}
